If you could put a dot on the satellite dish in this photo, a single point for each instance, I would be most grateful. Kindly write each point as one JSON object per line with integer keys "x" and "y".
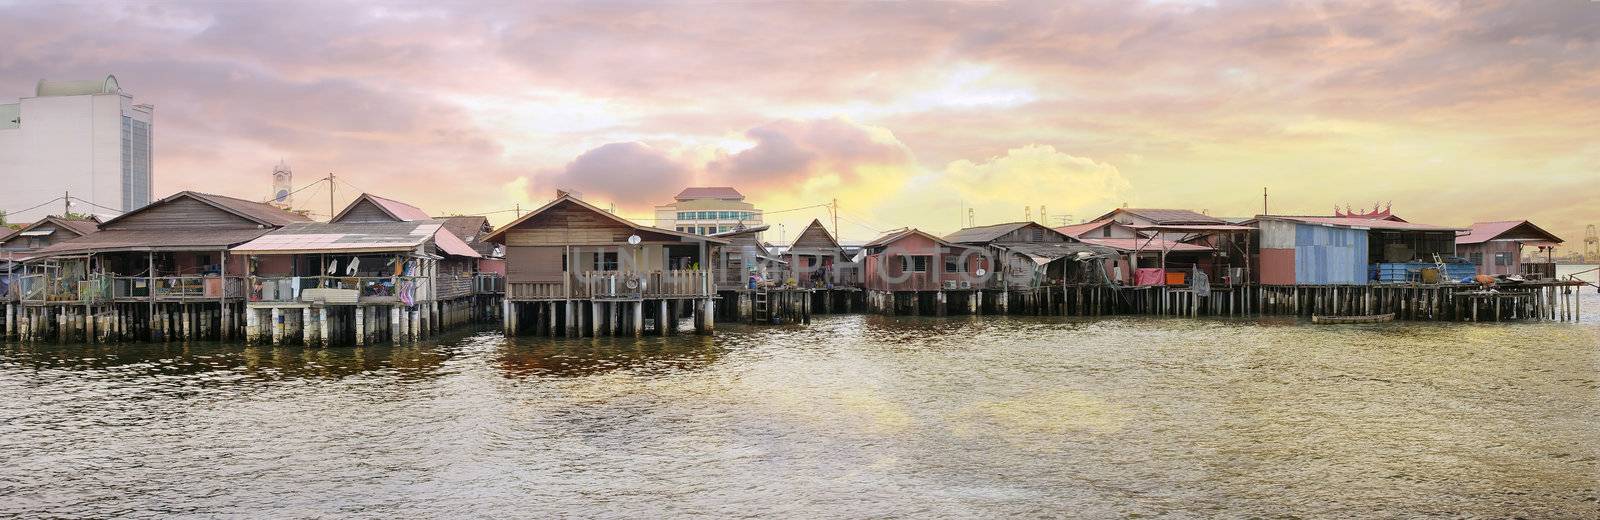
{"x": 980, "y": 272}
{"x": 634, "y": 240}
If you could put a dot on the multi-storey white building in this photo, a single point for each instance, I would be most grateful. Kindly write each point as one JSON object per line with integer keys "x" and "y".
{"x": 84, "y": 137}
{"x": 707, "y": 210}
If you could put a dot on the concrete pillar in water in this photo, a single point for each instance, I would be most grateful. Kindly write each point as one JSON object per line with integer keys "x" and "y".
{"x": 394, "y": 324}
{"x": 595, "y": 318}
{"x": 418, "y": 329}
{"x": 711, "y": 315}
{"x": 664, "y": 321}
{"x": 321, "y": 332}
{"x": 277, "y": 326}
{"x": 505, "y": 317}
{"x": 638, "y": 318}
{"x": 360, "y": 314}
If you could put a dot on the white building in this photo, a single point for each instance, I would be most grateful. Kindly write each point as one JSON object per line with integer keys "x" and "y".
{"x": 282, "y": 185}
{"x": 707, "y": 210}
{"x": 83, "y": 137}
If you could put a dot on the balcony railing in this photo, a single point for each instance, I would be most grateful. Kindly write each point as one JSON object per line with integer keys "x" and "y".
{"x": 1539, "y": 270}
{"x": 370, "y": 289}
{"x": 616, "y": 285}
{"x": 176, "y": 288}
{"x": 489, "y": 283}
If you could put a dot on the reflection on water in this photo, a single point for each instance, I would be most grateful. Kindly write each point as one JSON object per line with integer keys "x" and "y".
{"x": 852, "y": 416}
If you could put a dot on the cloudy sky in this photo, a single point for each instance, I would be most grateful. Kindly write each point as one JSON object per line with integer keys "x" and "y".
{"x": 904, "y": 112}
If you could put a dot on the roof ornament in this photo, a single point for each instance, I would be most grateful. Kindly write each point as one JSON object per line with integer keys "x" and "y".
{"x": 1375, "y": 214}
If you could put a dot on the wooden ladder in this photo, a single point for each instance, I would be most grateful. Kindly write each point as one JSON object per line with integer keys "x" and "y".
{"x": 762, "y": 312}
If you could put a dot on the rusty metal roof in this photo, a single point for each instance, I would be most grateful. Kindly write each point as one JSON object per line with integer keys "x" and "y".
{"x": 112, "y": 240}
{"x": 1149, "y": 245}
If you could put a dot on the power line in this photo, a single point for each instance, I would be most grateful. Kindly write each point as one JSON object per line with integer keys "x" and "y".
{"x": 45, "y": 203}
{"x": 97, "y": 205}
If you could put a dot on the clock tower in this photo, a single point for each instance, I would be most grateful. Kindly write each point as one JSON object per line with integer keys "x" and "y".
{"x": 282, "y": 184}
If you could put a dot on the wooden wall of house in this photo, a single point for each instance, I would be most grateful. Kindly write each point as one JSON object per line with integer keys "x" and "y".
{"x": 814, "y": 238}
{"x": 544, "y": 263}
{"x": 1032, "y": 234}
{"x": 570, "y": 224}
{"x": 883, "y": 266}
{"x": 534, "y": 263}
{"x": 492, "y": 266}
{"x": 1483, "y": 254}
{"x": 181, "y": 213}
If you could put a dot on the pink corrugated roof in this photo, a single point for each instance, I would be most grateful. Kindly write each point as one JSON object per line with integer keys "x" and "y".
{"x": 1076, "y": 230}
{"x": 709, "y": 192}
{"x": 453, "y": 245}
{"x": 1486, "y": 231}
{"x": 399, "y": 209}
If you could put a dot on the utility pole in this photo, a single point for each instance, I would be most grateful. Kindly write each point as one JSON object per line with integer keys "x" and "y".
{"x": 66, "y": 203}
{"x": 330, "y": 196}
{"x": 836, "y": 218}
{"x": 1264, "y": 201}
{"x": 519, "y": 210}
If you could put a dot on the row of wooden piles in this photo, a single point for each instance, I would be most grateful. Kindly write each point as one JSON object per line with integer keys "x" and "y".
{"x": 122, "y": 322}
{"x": 592, "y": 318}
{"x": 1082, "y": 300}
{"x": 1549, "y": 301}
{"x": 211, "y": 321}
{"x": 1552, "y": 301}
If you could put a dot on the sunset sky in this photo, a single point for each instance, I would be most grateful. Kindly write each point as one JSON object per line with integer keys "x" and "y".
{"x": 904, "y": 112}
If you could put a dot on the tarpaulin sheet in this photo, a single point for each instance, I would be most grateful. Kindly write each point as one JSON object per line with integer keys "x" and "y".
{"x": 1150, "y": 276}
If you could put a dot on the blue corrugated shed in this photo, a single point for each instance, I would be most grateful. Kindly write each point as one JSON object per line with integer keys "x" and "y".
{"x": 1326, "y": 255}
{"x": 1409, "y": 271}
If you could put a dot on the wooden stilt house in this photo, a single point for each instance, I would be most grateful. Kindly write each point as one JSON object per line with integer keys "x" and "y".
{"x": 381, "y": 270}
{"x": 574, "y": 269}
{"x": 159, "y": 272}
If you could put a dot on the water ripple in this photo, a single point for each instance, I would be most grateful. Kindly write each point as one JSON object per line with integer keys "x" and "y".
{"x": 853, "y": 416}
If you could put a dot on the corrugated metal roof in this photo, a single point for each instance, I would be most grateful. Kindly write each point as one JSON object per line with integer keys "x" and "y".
{"x": 452, "y": 245}
{"x": 984, "y": 234}
{"x": 260, "y": 212}
{"x": 1146, "y": 245}
{"x": 467, "y": 227}
{"x": 1055, "y": 250}
{"x": 499, "y": 233}
{"x": 1367, "y": 223}
{"x": 741, "y": 231}
{"x": 471, "y": 229}
{"x": 152, "y": 240}
{"x": 399, "y": 209}
{"x": 1077, "y": 230}
{"x": 1486, "y": 231}
{"x": 709, "y": 192}
{"x": 1167, "y": 216}
{"x": 303, "y": 237}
